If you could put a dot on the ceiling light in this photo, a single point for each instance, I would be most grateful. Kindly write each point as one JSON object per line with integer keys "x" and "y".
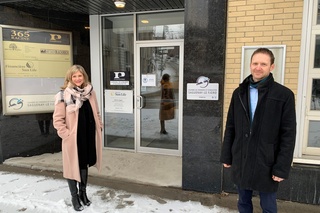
{"x": 144, "y": 21}
{"x": 120, "y": 3}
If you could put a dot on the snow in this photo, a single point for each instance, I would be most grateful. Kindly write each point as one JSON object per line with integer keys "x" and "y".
{"x": 40, "y": 194}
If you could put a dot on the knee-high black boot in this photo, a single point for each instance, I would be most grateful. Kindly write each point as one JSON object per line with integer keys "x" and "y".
{"x": 74, "y": 195}
{"x": 83, "y": 187}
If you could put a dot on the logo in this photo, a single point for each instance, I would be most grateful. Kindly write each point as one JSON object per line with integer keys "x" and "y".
{"x": 29, "y": 64}
{"x": 203, "y": 81}
{"x": 13, "y": 46}
{"x": 16, "y": 103}
{"x": 118, "y": 75}
{"x": 55, "y": 37}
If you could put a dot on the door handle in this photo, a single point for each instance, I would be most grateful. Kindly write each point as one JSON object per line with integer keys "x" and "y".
{"x": 141, "y": 100}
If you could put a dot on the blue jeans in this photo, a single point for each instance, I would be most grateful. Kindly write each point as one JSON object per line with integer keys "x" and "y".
{"x": 268, "y": 201}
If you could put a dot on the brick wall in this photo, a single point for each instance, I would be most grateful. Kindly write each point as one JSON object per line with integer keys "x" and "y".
{"x": 262, "y": 22}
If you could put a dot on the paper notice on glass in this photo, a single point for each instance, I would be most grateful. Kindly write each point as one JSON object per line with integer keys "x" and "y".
{"x": 196, "y": 92}
{"x": 148, "y": 80}
{"x": 119, "y": 101}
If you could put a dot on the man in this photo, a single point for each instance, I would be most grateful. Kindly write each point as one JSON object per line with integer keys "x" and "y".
{"x": 260, "y": 134}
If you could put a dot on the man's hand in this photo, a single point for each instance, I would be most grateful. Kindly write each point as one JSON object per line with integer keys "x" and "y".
{"x": 277, "y": 179}
{"x": 226, "y": 165}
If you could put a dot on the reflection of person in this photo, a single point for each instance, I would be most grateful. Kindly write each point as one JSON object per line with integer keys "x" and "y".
{"x": 167, "y": 102}
{"x": 77, "y": 120}
{"x": 44, "y": 122}
{"x": 260, "y": 134}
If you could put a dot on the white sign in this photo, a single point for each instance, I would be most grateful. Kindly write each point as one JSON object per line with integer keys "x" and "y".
{"x": 119, "y": 101}
{"x": 196, "y": 91}
{"x": 148, "y": 80}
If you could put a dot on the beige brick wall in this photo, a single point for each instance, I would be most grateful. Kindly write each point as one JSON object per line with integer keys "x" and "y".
{"x": 262, "y": 22}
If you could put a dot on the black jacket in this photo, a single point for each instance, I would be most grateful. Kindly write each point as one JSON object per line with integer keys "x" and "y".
{"x": 264, "y": 148}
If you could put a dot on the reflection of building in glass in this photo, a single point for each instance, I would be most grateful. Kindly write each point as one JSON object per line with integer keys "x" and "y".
{"x": 315, "y": 97}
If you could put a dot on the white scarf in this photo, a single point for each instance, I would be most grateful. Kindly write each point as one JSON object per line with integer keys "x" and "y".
{"x": 74, "y": 97}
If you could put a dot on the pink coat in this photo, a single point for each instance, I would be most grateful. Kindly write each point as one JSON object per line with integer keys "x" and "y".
{"x": 67, "y": 125}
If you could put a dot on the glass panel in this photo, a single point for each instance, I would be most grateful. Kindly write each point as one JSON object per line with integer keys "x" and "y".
{"x": 159, "y": 114}
{"x": 318, "y": 14}
{"x": 317, "y": 53}
{"x": 315, "y": 96}
{"x": 313, "y": 136}
{"x": 118, "y": 74}
{"x": 160, "y": 26}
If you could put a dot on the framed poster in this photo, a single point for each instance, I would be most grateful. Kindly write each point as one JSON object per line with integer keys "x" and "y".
{"x": 33, "y": 67}
{"x": 279, "y": 52}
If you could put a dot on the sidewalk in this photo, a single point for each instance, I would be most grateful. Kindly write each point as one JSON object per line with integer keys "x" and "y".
{"x": 225, "y": 200}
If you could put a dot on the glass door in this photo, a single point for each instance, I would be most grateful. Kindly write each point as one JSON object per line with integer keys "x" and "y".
{"x": 158, "y": 95}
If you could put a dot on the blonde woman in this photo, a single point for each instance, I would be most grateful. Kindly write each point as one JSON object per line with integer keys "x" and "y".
{"x": 78, "y": 123}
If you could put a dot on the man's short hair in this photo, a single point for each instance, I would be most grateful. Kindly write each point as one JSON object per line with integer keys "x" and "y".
{"x": 264, "y": 51}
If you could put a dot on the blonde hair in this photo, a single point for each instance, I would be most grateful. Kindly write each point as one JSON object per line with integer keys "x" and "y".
{"x": 72, "y": 70}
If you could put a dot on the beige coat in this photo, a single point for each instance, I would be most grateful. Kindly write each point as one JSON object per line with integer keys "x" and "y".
{"x": 67, "y": 125}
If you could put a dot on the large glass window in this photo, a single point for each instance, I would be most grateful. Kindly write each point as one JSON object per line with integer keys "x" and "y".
{"x": 160, "y": 26}
{"x": 313, "y": 135}
{"x": 315, "y": 95}
{"x": 317, "y": 52}
{"x": 118, "y": 78}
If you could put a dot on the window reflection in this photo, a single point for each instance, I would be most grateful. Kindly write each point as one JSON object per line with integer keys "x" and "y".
{"x": 317, "y": 53}
{"x": 318, "y": 14}
{"x": 160, "y": 26}
{"x": 315, "y": 96}
{"x": 117, "y": 56}
{"x": 313, "y": 136}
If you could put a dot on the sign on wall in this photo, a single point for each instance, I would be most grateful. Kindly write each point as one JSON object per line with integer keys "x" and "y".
{"x": 33, "y": 66}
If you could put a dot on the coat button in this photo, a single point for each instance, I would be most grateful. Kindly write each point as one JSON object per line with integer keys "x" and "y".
{"x": 246, "y": 135}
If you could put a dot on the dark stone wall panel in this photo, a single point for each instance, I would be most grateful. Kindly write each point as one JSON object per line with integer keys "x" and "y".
{"x": 205, "y": 24}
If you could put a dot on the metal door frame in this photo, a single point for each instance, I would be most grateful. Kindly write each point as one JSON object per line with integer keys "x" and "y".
{"x": 137, "y": 93}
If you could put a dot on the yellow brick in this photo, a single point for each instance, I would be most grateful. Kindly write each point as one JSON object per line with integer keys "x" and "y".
{"x": 246, "y": 18}
{"x": 292, "y": 32}
{"x": 263, "y": 17}
{"x": 273, "y": 22}
{"x": 263, "y": 28}
{"x": 284, "y": 4}
{"x": 236, "y": 24}
{"x": 244, "y": 39}
{"x": 245, "y": 29}
{"x": 253, "y": 34}
{"x": 283, "y": 27}
{"x": 245, "y": 8}
{"x": 292, "y": 21}
{"x": 235, "y": 35}
{"x": 282, "y": 38}
{"x": 284, "y": 16}
{"x": 255, "y": 2}
{"x": 254, "y": 23}
{"x": 255, "y": 12}
{"x": 236, "y": 3}
{"x": 272, "y": 33}
{"x": 293, "y": 10}
{"x": 274, "y": 11}
{"x": 264, "y": 6}
{"x": 263, "y": 39}
{"x": 236, "y": 14}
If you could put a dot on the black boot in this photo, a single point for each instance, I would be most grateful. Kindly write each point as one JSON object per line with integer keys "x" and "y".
{"x": 74, "y": 195}
{"x": 82, "y": 187}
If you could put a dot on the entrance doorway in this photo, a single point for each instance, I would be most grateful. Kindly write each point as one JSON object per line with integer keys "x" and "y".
{"x": 158, "y": 97}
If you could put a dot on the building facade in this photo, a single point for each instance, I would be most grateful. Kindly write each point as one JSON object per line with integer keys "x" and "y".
{"x": 197, "y": 43}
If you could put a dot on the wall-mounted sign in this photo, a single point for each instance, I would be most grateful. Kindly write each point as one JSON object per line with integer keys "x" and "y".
{"x": 120, "y": 78}
{"x": 119, "y": 101}
{"x": 148, "y": 80}
{"x": 203, "y": 90}
{"x": 33, "y": 67}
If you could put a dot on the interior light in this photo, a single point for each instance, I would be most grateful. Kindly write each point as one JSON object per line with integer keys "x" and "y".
{"x": 145, "y": 21}
{"x": 120, "y": 3}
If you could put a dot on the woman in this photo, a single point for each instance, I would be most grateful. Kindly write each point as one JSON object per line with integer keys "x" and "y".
{"x": 167, "y": 102}
{"x": 77, "y": 120}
